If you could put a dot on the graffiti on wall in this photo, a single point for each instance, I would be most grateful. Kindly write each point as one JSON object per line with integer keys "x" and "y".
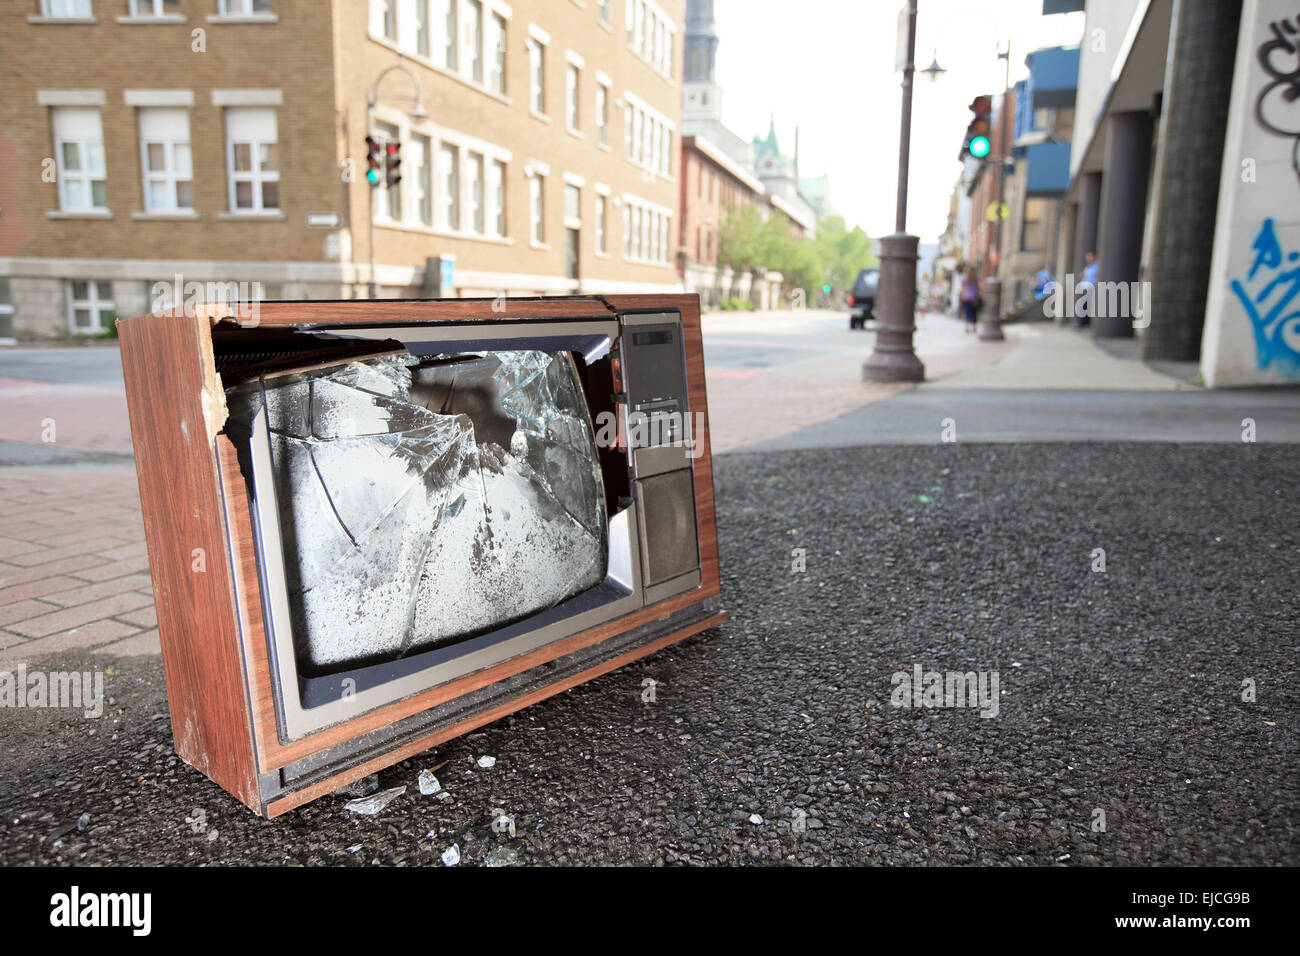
{"x": 1271, "y": 289}
{"x": 1278, "y": 107}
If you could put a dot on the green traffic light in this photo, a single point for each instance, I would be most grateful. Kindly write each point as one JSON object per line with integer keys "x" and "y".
{"x": 372, "y": 177}
{"x": 979, "y": 147}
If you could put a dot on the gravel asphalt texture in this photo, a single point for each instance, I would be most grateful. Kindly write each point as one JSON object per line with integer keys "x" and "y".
{"x": 772, "y": 739}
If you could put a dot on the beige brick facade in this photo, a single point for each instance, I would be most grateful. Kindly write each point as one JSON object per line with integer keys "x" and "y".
{"x": 311, "y": 64}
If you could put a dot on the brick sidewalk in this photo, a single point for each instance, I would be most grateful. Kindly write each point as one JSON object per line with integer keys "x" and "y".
{"x": 73, "y": 570}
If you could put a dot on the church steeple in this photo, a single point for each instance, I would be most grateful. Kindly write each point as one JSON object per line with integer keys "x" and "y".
{"x": 701, "y": 42}
{"x": 701, "y": 95}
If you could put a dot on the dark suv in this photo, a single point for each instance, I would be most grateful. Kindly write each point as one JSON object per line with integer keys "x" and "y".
{"x": 862, "y": 300}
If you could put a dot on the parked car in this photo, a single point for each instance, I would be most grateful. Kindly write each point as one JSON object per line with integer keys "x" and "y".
{"x": 862, "y": 300}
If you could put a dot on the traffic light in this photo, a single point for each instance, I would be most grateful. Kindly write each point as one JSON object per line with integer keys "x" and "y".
{"x": 977, "y": 144}
{"x": 392, "y": 164}
{"x": 374, "y": 160}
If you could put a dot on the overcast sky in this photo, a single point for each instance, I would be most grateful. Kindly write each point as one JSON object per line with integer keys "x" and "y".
{"x": 828, "y": 66}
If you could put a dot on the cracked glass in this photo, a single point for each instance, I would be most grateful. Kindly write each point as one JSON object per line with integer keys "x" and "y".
{"x": 423, "y": 501}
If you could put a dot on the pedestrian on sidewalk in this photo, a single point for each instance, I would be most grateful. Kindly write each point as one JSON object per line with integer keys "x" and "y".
{"x": 1083, "y": 315}
{"x": 970, "y": 298}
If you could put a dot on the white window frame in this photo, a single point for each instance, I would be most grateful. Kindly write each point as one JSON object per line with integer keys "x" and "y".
{"x": 50, "y": 9}
{"x": 171, "y": 175}
{"x": 602, "y": 113}
{"x": 243, "y": 8}
{"x": 447, "y": 188}
{"x": 473, "y": 29}
{"x": 499, "y": 31}
{"x": 154, "y": 10}
{"x": 93, "y": 303}
{"x": 420, "y": 187}
{"x": 256, "y": 176}
{"x": 88, "y": 177}
{"x": 601, "y": 222}
{"x": 537, "y": 209}
{"x": 536, "y": 76}
{"x": 572, "y": 97}
{"x": 495, "y": 190}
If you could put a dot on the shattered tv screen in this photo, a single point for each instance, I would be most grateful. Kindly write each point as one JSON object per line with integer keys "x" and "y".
{"x": 423, "y": 501}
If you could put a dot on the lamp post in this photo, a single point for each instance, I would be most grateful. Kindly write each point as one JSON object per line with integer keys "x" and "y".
{"x": 990, "y": 323}
{"x": 893, "y": 358}
{"x": 417, "y": 113}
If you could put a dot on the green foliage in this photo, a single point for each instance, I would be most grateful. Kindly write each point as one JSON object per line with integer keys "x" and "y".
{"x": 736, "y": 303}
{"x": 749, "y": 242}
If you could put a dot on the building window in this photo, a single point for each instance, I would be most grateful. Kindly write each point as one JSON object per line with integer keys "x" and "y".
{"x": 448, "y": 187}
{"x": 627, "y": 232}
{"x": 602, "y": 113}
{"x": 572, "y": 204}
{"x": 1031, "y": 231}
{"x": 606, "y": 11}
{"x": 650, "y": 35}
{"x": 474, "y": 39}
{"x": 421, "y": 27}
{"x": 477, "y": 212}
{"x": 6, "y": 312}
{"x": 244, "y": 8}
{"x": 497, "y": 43}
{"x": 165, "y": 159}
{"x": 253, "y": 157}
{"x": 79, "y": 138}
{"x": 90, "y": 307}
{"x": 421, "y": 194}
{"x": 537, "y": 76}
{"x": 497, "y": 190}
{"x": 571, "y": 79}
{"x": 152, "y": 8}
{"x": 648, "y": 139}
{"x": 601, "y": 203}
{"x": 65, "y": 9}
{"x": 537, "y": 210}
{"x": 447, "y": 58}
{"x": 383, "y": 19}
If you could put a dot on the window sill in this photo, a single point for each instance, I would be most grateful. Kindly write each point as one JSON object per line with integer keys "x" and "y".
{"x": 184, "y": 215}
{"x": 541, "y": 117}
{"x": 607, "y": 27}
{"x": 443, "y": 233}
{"x": 274, "y": 215}
{"x": 243, "y": 18}
{"x": 543, "y": 246}
{"x": 601, "y": 255}
{"x": 574, "y": 132}
{"x": 63, "y": 19}
{"x": 605, "y": 146}
{"x": 163, "y": 18}
{"x": 79, "y": 214}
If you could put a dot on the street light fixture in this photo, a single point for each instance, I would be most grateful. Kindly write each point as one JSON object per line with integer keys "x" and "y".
{"x": 893, "y": 358}
{"x": 417, "y": 112}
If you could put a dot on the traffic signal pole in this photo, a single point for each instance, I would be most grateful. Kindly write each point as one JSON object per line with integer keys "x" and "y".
{"x": 893, "y": 358}
{"x": 990, "y": 323}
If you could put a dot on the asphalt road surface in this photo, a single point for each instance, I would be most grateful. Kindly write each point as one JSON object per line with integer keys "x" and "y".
{"x": 1121, "y": 734}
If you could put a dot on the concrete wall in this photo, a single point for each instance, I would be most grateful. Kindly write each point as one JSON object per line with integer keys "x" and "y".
{"x": 1252, "y": 323}
{"x": 1107, "y": 22}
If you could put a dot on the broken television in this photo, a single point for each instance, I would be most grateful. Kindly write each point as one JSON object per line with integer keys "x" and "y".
{"x": 429, "y": 501}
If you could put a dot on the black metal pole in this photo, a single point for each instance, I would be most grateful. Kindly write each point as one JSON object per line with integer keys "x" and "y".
{"x": 893, "y": 358}
{"x": 990, "y": 326}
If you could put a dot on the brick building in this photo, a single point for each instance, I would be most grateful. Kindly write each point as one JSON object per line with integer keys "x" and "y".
{"x": 223, "y": 141}
{"x": 712, "y": 185}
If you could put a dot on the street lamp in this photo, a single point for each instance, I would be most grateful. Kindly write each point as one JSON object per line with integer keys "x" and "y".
{"x": 417, "y": 113}
{"x": 893, "y": 359}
